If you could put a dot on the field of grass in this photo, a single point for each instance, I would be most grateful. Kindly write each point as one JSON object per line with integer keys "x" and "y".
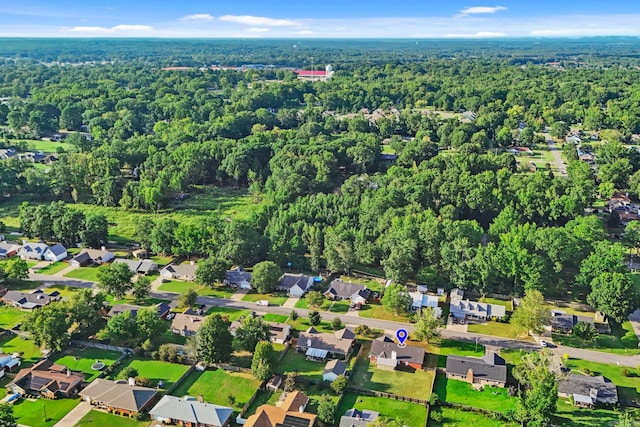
{"x": 10, "y": 316}
{"x": 437, "y": 354}
{"x": 264, "y": 397}
{"x": 628, "y": 387}
{"x": 365, "y": 375}
{"x": 411, "y": 414}
{"x": 274, "y": 299}
{"x": 130, "y": 299}
{"x": 156, "y": 370}
{"x": 378, "y": 311}
{"x": 231, "y": 313}
{"x": 569, "y": 415}
{"x": 371, "y": 284}
{"x": 65, "y": 291}
{"x": 161, "y": 260}
{"x": 44, "y": 146}
{"x": 297, "y": 362}
{"x": 54, "y": 268}
{"x": 270, "y": 317}
{"x": 453, "y": 417}
{"x": 302, "y": 303}
{"x": 491, "y": 398}
{"x": 498, "y": 329}
{"x": 622, "y": 340}
{"x": 30, "y": 352}
{"x": 216, "y": 386}
{"x": 180, "y": 286}
{"x": 84, "y": 273}
{"x": 81, "y": 360}
{"x": 31, "y": 412}
{"x": 302, "y": 324}
{"x": 99, "y": 418}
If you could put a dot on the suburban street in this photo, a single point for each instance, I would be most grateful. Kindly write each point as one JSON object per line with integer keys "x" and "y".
{"x": 558, "y": 163}
{"x": 352, "y": 319}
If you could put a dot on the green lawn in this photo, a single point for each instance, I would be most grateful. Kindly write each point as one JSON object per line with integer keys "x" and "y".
{"x": 279, "y": 318}
{"x": 129, "y": 299}
{"x": 569, "y": 415}
{"x": 65, "y": 291}
{"x": 54, "y": 268}
{"x": 99, "y": 418}
{"x": 411, "y": 414}
{"x": 11, "y": 316}
{"x": 156, "y": 370}
{"x": 371, "y": 284}
{"x": 622, "y": 340}
{"x": 628, "y": 387}
{"x": 231, "y": 313}
{"x": 491, "y": 398}
{"x": 366, "y": 376}
{"x": 302, "y": 324}
{"x": 45, "y": 146}
{"x": 340, "y": 307}
{"x": 302, "y": 303}
{"x": 82, "y": 360}
{"x": 216, "y": 386}
{"x": 30, "y": 352}
{"x": 315, "y": 393}
{"x": 161, "y": 260}
{"x": 180, "y": 286}
{"x": 264, "y": 397}
{"x": 498, "y": 329}
{"x": 378, "y": 311}
{"x": 446, "y": 347}
{"x": 453, "y": 417}
{"x": 84, "y": 273}
{"x": 506, "y": 304}
{"x": 31, "y": 412}
{"x": 274, "y": 299}
{"x": 297, "y": 362}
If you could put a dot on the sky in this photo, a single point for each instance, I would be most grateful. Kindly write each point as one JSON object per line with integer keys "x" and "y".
{"x": 319, "y": 19}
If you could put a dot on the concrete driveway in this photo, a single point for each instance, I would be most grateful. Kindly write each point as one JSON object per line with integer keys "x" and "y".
{"x": 76, "y": 414}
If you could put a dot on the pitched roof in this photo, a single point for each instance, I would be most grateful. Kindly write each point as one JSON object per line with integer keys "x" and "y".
{"x": 342, "y": 289}
{"x": 93, "y": 255}
{"x": 356, "y": 418}
{"x": 460, "y": 365}
{"x": 279, "y": 331}
{"x": 57, "y": 249}
{"x": 335, "y": 366}
{"x": 45, "y": 375}
{"x": 31, "y": 300}
{"x": 6, "y": 247}
{"x": 460, "y": 308}
{"x": 294, "y": 401}
{"x": 384, "y": 346}
{"x": 37, "y": 248}
{"x": 191, "y": 411}
{"x": 237, "y": 275}
{"x": 123, "y": 308}
{"x": 187, "y": 270}
{"x": 337, "y": 342}
{"x": 290, "y": 281}
{"x": 270, "y": 416}
{"x": 119, "y": 394}
{"x": 187, "y": 322}
{"x": 599, "y": 389}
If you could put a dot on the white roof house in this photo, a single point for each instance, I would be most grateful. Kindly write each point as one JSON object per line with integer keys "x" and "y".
{"x": 188, "y": 411}
{"x": 422, "y": 301}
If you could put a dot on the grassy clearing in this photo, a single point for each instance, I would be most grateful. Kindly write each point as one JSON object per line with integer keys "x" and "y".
{"x": 180, "y": 286}
{"x": 82, "y": 360}
{"x": 231, "y": 313}
{"x": 129, "y": 299}
{"x": 274, "y": 299}
{"x": 498, "y": 329}
{"x": 453, "y": 417}
{"x": 44, "y": 145}
{"x": 30, "y": 352}
{"x": 279, "y": 318}
{"x": 569, "y": 415}
{"x": 297, "y": 362}
{"x": 84, "y": 273}
{"x": 302, "y": 324}
{"x": 11, "y": 316}
{"x": 65, "y": 291}
{"x": 438, "y": 353}
{"x": 99, "y": 418}
{"x": 156, "y": 370}
{"x": 373, "y": 285}
{"x": 340, "y": 307}
{"x": 378, "y": 311}
{"x": 628, "y": 387}
{"x": 161, "y": 260}
{"x": 302, "y": 303}
{"x": 491, "y": 398}
{"x": 31, "y": 412}
{"x": 54, "y": 268}
{"x": 622, "y": 340}
{"x": 411, "y": 414}
{"x": 216, "y": 386}
{"x": 264, "y": 397}
{"x": 315, "y": 393}
{"x": 365, "y": 375}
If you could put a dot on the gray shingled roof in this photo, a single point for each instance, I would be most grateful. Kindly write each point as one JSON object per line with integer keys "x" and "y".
{"x": 460, "y": 365}
{"x": 385, "y": 345}
{"x": 342, "y": 289}
{"x": 191, "y": 411}
{"x": 583, "y": 385}
{"x": 119, "y": 394}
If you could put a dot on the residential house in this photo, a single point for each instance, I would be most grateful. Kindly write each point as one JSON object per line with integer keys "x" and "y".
{"x": 386, "y": 353}
{"x": 469, "y": 115}
{"x": 356, "y": 418}
{"x": 290, "y": 413}
{"x": 238, "y": 278}
{"x": 520, "y": 151}
{"x": 89, "y": 257}
{"x": 138, "y": 266}
{"x": 30, "y": 301}
{"x": 356, "y": 293}
{"x": 8, "y": 249}
{"x": 333, "y": 369}
{"x": 162, "y": 309}
{"x": 279, "y": 332}
{"x": 186, "y": 324}
{"x": 42, "y": 252}
{"x": 573, "y": 139}
{"x": 490, "y": 370}
{"x": 190, "y": 412}
{"x": 562, "y": 322}
{"x": 139, "y": 253}
{"x": 9, "y": 362}
{"x": 464, "y": 309}
{"x": 121, "y": 397}
{"x": 296, "y": 285}
{"x": 7, "y": 153}
{"x": 620, "y": 202}
{"x": 179, "y": 272}
{"x": 46, "y": 379}
{"x": 320, "y": 345}
{"x": 420, "y": 301}
{"x": 422, "y": 289}
{"x": 588, "y": 391}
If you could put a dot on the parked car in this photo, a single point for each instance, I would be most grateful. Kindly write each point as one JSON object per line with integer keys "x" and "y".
{"x": 263, "y": 302}
{"x": 544, "y": 344}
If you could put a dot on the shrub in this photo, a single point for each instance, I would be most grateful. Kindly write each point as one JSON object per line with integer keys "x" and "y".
{"x": 144, "y": 382}
{"x": 436, "y": 416}
{"x": 293, "y": 315}
{"x": 129, "y": 372}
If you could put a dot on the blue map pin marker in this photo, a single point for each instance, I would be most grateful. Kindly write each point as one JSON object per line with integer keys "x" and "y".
{"x": 402, "y": 335}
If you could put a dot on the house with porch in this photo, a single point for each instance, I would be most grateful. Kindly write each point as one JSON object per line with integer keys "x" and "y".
{"x": 121, "y": 397}
{"x": 9, "y": 249}
{"x": 46, "y": 379}
{"x": 42, "y": 252}
{"x": 238, "y": 278}
{"x": 588, "y": 391}
{"x": 30, "y": 301}
{"x": 420, "y": 300}
{"x": 490, "y": 370}
{"x": 354, "y": 292}
{"x": 296, "y": 285}
{"x": 460, "y": 308}
{"x": 322, "y": 345}
{"x": 89, "y": 257}
{"x": 190, "y": 412}
{"x": 386, "y": 353}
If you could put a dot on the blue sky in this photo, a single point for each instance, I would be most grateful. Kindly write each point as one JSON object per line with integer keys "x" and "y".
{"x": 324, "y": 18}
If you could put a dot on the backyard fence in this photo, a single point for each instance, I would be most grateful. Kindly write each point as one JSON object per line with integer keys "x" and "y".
{"x": 493, "y": 414}
{"x": 231, "y": 368}
{"x": 387, "y": 395}
{"x": 179, "y": 380}
{"x": 102, "y": 346}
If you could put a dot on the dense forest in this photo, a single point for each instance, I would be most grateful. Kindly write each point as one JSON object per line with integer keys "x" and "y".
{"x": 453, "y": 208}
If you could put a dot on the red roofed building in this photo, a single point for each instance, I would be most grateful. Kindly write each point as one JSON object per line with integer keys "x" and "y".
{"x": 322, "y": 75}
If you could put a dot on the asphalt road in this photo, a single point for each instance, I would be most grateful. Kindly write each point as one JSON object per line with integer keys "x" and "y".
{"x": 558, "y": 163}
{"x": 487, "y": 340}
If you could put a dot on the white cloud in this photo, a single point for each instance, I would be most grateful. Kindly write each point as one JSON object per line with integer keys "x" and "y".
{"x": 259, "y": 21}
{"x": 304, "y": 32}
{"x": 482, "y": 9}
{"x": 201, "y": 17}
{"x": 105, "y": 30}
{"x": 257, "y": 30}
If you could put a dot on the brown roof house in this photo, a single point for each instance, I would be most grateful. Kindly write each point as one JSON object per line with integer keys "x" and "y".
{"x": 46, "y": 379}
{"x": 122, "y": 397}
{"x": 385, "y": 353}
{"x": 289, "y": 414}
{"x": 186, "y": 324}
{"x": 320, "y": 346}
{"x": 490, "y": 370}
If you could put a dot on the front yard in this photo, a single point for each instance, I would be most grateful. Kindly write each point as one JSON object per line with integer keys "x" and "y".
{"x": 231, "y": 313}
{"x": 219, "y": 387}
{"x": 155, "y": 370}
{"x": 622, "y": 340}
{"x": 490, "y": 398}
{"x": 274, "y": 299}
{"x": 32, "y": 412}
{"x": 628, "y": 386}
{"x": 378, "y": 311}
{"x": 447, "y": 347}
{"x": 491, "y": 327}
{"x": 54, "y": 268}
{"x": 82, "y": 360}
{"x": 180, "y": 286}
{"x": 411, "y": 414}
{"x": 84, "y": 273}
{"x": 99, "y": 418}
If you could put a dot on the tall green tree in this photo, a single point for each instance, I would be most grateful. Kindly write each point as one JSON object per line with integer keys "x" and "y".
{"x": 263, "y": 361}
{"x": 211, "y": 271}
{"x": 266, "y": 276}
{"x": 531, "y": 314}
{"x": 426, "y": 328}
{"x": 539, "y": 394}
{"x": 614, "y": 294}
{"x": 396, "y": 298}
{"x": 48, "y": 326}
{"x": 95, "y": 231}
{"x": 251, "y": 331}
{"x": 213, "y": 340}
{"x": 115, "y": 279}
